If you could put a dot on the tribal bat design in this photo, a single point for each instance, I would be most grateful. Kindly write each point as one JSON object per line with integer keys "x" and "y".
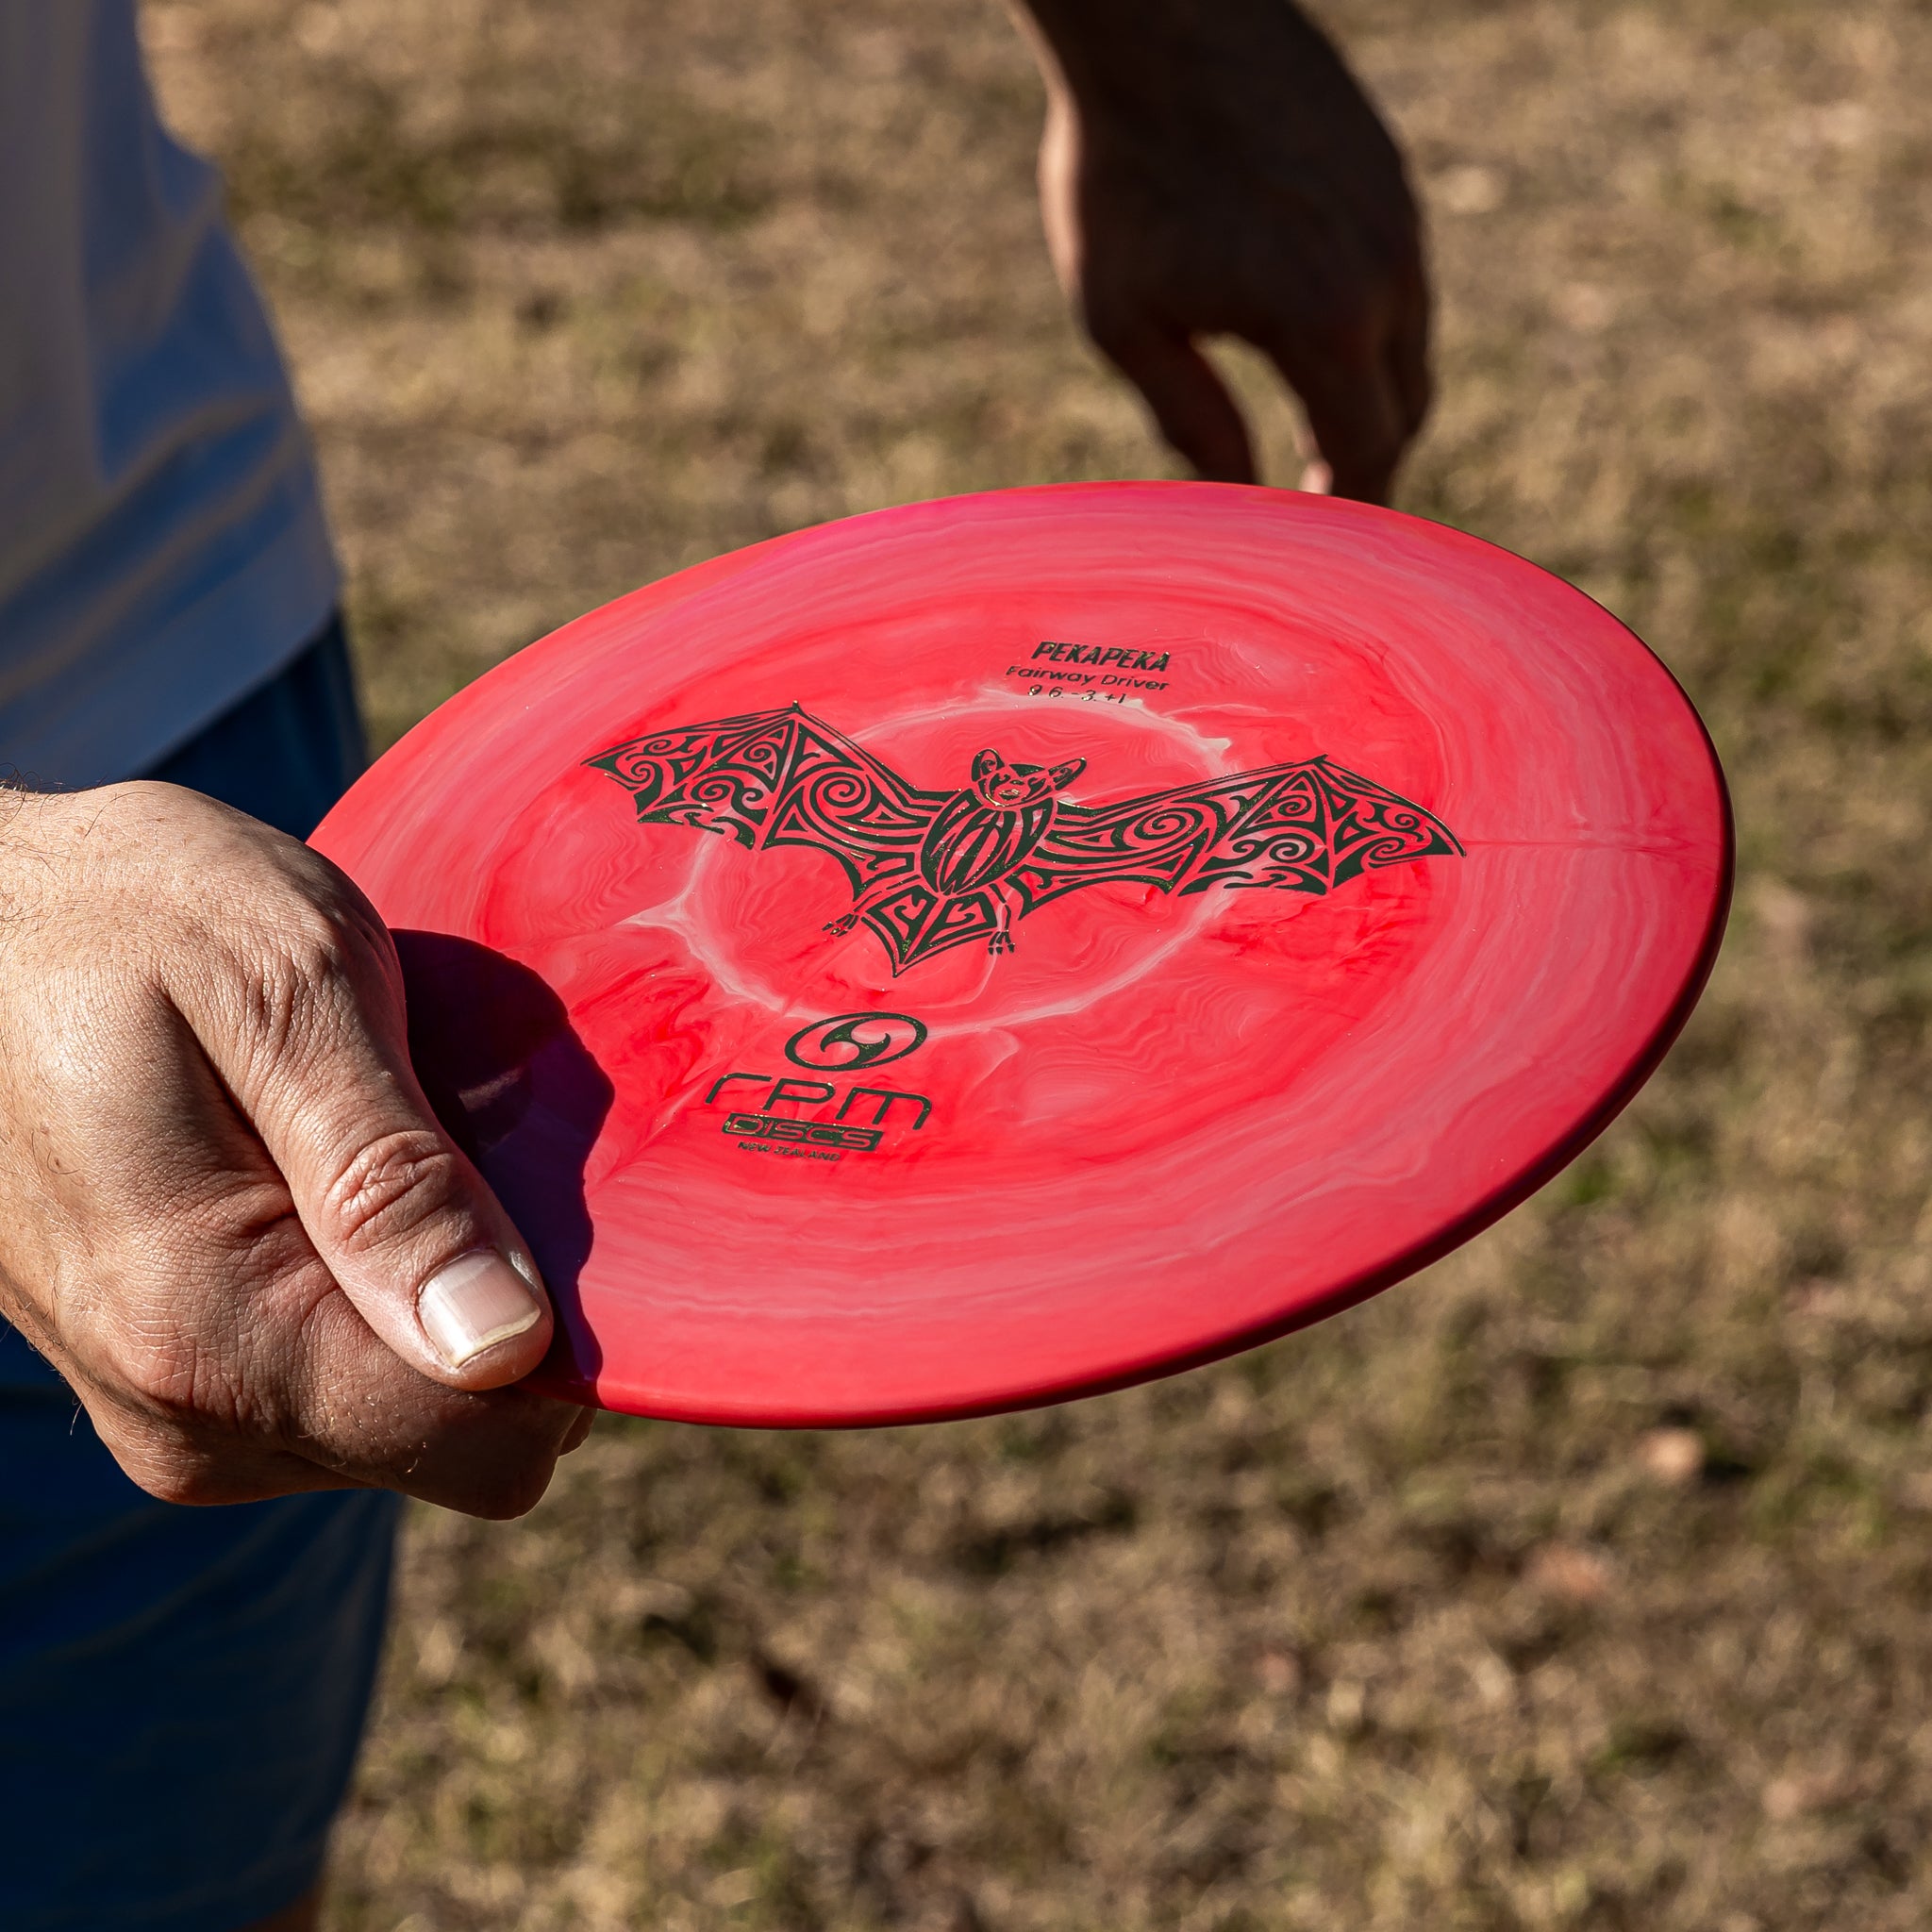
{"x": 932, "y": 870}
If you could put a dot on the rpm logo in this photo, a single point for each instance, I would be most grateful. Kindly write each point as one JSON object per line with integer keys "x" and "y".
{"x": 848, "y": 1041}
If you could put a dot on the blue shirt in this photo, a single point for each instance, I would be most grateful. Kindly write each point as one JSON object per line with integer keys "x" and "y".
{"x": 162, "y": 548}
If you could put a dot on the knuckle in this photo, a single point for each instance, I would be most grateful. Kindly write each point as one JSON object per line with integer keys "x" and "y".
{"x": 178, "y": 1383}
{"x": 313, "y": 937}
{"x": 164, "y": 1460}
{"x": 515, "y": 1494}
{"x": 209, "y": 1344}
{"x": 299, "y": 982}
{"x": 1348, "y": 334}
{"x": 498, "y": 1460}
{"x": 167, "y": 1375}
{"x": 1378, "y": 443}
{"x": 391, "y": 1185}
{"x": 189, "y": 1483}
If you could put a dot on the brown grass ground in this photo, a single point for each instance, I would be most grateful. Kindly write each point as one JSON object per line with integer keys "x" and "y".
{"x": 1586, "y": 1581}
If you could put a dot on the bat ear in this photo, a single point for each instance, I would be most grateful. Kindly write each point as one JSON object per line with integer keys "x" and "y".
{"x": 1063, "y": 775}
{"x": 986, "y": 763}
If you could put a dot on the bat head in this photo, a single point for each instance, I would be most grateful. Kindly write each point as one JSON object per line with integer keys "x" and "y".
{"x": 1012, "y": 788}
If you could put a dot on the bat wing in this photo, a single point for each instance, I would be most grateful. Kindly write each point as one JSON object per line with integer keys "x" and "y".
{"x": 778, "y": 778}
{"x": 1306, "y": 827}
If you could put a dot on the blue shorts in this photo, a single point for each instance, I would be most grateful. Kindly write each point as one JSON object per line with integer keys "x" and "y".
{"x": 182, "y": 1690}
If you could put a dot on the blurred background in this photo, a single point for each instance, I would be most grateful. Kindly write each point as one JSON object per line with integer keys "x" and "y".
{"x": 1585, "y": 1581}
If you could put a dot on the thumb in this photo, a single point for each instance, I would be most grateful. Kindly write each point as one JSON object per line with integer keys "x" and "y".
{"x": 406, "y": 1224}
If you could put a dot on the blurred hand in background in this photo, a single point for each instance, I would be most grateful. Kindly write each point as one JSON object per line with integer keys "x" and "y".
{"x": 1216, "y": 170}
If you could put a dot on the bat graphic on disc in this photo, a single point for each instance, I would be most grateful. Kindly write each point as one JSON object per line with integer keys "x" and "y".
{"x": 932, "y": 870}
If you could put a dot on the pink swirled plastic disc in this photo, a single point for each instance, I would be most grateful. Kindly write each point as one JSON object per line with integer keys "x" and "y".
{"x": 1002, "y": 948}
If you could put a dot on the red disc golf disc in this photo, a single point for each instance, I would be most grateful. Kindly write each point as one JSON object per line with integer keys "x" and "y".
{"x": 1000, "y": 948}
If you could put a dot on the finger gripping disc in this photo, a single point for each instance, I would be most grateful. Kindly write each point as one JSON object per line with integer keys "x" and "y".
{"x": 1000, "y": 948}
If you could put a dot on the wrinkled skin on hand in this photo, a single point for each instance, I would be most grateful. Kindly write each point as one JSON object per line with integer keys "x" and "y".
{"x": 221, "y": 1187}
{"x": 1216, "y": 170}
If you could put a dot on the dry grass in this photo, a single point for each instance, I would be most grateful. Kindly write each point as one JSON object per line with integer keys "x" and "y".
{"x": 1583, "y": 1582}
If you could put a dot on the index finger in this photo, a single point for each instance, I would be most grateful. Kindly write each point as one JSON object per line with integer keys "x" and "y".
{"x": 1191, "y": 404}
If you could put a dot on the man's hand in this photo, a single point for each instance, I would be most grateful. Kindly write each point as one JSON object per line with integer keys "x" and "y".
{"x": 227, "y": 1214}
{"x": 1210, "y": 167}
